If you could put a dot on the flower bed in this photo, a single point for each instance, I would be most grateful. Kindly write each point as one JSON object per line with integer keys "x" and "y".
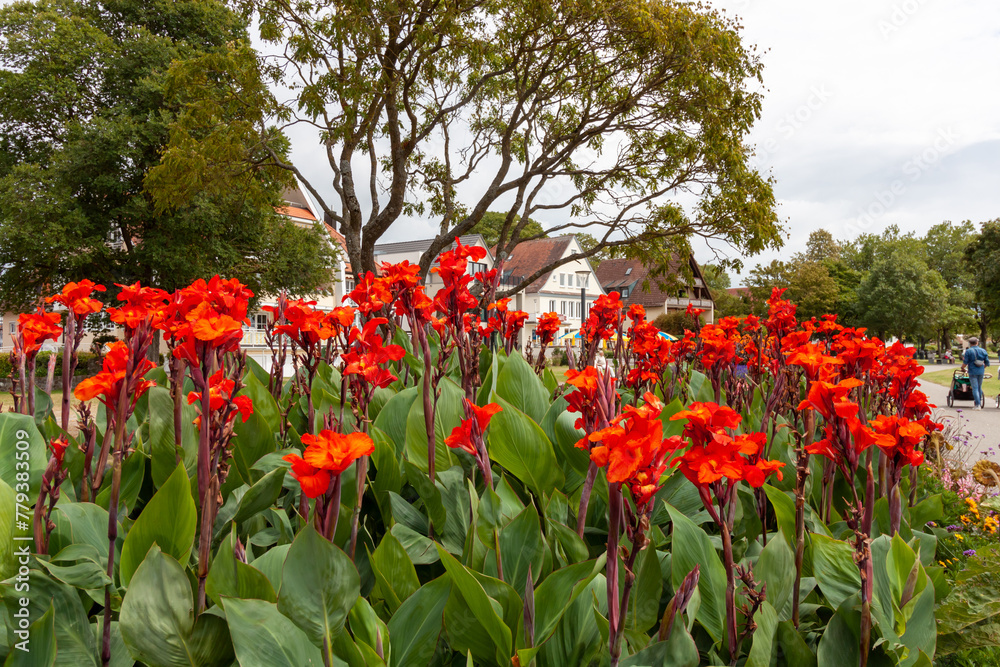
{"x": 421, "y": 492}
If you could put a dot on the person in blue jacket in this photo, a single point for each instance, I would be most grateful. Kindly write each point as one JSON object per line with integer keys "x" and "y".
{"x": 976, "y": 360}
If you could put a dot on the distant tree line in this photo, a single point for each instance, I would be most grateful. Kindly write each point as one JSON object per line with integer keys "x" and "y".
{"x": 920, "y": 289}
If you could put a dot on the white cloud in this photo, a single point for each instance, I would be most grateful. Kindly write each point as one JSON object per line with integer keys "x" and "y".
{"x": 898, "y": 76}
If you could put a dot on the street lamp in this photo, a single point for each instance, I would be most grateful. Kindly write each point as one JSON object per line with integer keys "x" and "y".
{"x": 582, "y": 277}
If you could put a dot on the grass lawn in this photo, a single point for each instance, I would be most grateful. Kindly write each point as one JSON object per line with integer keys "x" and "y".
{"x": 559, "y": 372}
{"x": 991, "y": 387}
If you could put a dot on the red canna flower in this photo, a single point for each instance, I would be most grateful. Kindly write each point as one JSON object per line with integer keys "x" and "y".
{"x": 141, "y": 304}
{"x": 811, "y": 357}
{"x": 604, "y": 318}
{"x": 780, "y": 314}
{"x": 903, "y": 437}
{"x": 371, "y": 294}
{"x": 693, "y": 312}
{"x": 718, "y": 347}
{"x": 35, "y": 329}
{"x": 58, "y": 448}
{"x": 586, "y": 400}
{"x": 106, "y": 386}
{"x": 453, "y": 264}
{"x": 335, "y": 452}
{"x": 706, "y": 421}
{"x": 547, "y": 327}
{"x": 76, "y": 297}
{"x": 831, "y": 400}
{"x": 314, "y": 481}
{"x": 220, "y": 395}
{"x": 633, "y": 449}
{"x": 369, "y": 354}
{"x": 464, "y": 436}
{"x": 305, "y": 325}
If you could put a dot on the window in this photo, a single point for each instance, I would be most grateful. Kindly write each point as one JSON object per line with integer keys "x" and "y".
{"x": 260, "y": 321}
{"x": 562, "y": 307}
{"x": 624, "y": 292}
{"x": 477, "y": 267}
{"x": 628, "y": 270}
{"x": 13, "y": 328}
{"x": 578, "y": 281}
{"x": 552, "y": 305}
{"x": 562, "y": 278}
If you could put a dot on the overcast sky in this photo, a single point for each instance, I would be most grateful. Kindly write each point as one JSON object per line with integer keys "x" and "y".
{"x": 876, "y": 112}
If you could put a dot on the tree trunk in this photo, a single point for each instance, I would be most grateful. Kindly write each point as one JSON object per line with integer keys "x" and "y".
{"x": 153, "y": 353}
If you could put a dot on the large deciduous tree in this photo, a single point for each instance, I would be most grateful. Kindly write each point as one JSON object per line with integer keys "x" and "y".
{"x": 983, "y": 257}
{"x": 594, "y": 117}
{"x": 85, "y": 114}
{"x": 946, "y": 245}
{"x": 901, "y": 296}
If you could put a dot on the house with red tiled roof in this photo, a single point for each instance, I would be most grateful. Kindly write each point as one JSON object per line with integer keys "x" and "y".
{"x": 300, "y": 209}
{"x": 568, "y": 290}
{"x": 634, "y": 280}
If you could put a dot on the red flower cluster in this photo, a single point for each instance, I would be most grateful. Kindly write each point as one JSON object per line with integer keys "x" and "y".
{"x": 207, "y": 316}
{"x": 141, "y": 304}
{"x": 454, "y": 299}
{"x": 547, "y": 328}
{"x": 371, "y": 294}
{"x": 651, "y": 353}
{"x": 633, "y": 449}
{"x": 588, "y": 399}
{"x": 470, "y": 431}
{"x": 76, "y": 297}
{"x": 604, "y": 318}
{"x": 900, "y": 438}
{"x": 304, "y": 325}
{"x": 327, "y": 455}
{"x": 220, "y": 396}
{"x": 368, "y": 353}
{"x": 716, "y": 454}
{"x": 35, "y": 329}
{"x": 780, "y": 314}
{"x": 406, "y": 292}
{"x": 508, "y": 323}
{"x": 106, "y": 386}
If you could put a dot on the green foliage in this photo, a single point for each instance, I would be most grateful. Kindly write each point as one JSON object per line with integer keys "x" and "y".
{"x": 521, "y": 95}
{"x": 981, "y": 256}
{"x": 87, "y": 364}
{"x": 901, "y": 295}
{"x": 896, "y": 284}
{"x": 675, "y": 322}
{"x": 444, "y": 570}
{"x": 86, "y": 111}
{"x": 492, "y": 224}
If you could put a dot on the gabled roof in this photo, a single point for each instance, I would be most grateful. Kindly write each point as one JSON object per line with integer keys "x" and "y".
{"x": 421, "y": 245}
{"x": 618, "y": 274}
{"x": 297, "y": 204}
{"x": 530, "y": 256}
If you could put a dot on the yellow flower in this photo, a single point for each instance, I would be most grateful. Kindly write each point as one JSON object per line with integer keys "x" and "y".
{"x": 958, "y": 536}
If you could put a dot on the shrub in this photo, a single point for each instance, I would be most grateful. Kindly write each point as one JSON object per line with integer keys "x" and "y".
{"x": 674, "y": 322}
{"x": 87, "y": 364}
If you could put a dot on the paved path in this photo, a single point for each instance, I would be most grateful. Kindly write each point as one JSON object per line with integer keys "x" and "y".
{"x": 980, "y": 428}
